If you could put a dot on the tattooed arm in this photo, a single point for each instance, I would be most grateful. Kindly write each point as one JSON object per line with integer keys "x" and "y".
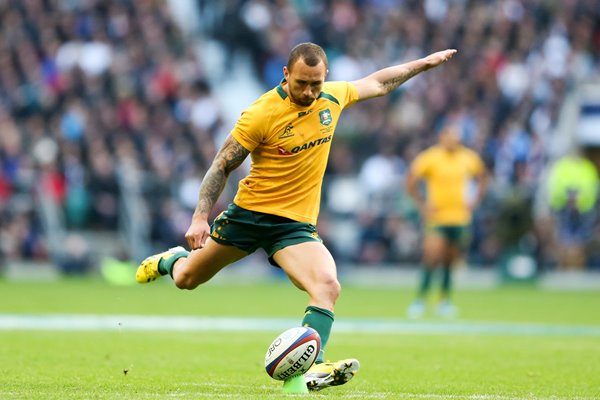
{"x": 385, "y": 80}
{"x": 229, "y": 157}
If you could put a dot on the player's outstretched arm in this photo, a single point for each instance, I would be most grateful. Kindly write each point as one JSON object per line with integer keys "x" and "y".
{"x": 387, "y": 79}
{"x": 228, "y": 158}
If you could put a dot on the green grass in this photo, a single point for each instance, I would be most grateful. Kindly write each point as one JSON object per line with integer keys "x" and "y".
{"x": 201, "y": 365}
{"x": 281, "y": 299}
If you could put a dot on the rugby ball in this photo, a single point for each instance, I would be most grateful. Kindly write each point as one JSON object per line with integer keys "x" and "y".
{"x": 292, "y": 353}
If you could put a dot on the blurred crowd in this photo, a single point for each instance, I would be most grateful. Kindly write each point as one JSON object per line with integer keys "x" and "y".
{"x": 91, "y": 90}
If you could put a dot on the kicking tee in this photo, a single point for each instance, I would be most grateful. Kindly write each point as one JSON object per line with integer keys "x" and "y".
{"x": 289, "y": 147}
{"x": 447, "y": 176}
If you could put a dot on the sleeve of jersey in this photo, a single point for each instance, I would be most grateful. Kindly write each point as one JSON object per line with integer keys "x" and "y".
{"x": 248, "y": 130}
{"x": 344, "y": 92}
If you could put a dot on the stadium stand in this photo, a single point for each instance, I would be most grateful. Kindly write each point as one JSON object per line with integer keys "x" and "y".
{"x": 111, "y": 110}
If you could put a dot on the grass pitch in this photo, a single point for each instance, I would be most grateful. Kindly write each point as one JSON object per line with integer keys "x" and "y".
{"x": 431, "y": 359}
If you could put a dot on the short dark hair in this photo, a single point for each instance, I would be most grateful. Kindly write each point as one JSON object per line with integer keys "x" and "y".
{"x": 312, "y": 54}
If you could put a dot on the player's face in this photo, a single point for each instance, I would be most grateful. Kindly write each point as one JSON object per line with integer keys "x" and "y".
{"x": 450, "y": 139}
{"x": 305, "y": 82}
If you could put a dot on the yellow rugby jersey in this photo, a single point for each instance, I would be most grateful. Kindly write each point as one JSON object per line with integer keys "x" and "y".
{"x": 289, "y": 147}
{"x": 447, "y": 176}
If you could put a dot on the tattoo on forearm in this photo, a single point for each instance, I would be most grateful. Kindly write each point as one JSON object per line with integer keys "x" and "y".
{"x": 210, "y": 190}
{"x": 231, "y": 155}
{"x": 396, "y": 81}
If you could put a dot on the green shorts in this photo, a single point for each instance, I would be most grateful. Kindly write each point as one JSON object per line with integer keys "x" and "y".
{"x": 457, "y": 235}
{"x": 250, "y": 230}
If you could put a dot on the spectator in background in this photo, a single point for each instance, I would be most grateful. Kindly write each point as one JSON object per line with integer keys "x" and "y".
{"x": 76, "y": 259}
{"x": 103, "y": 187}
{"x": 573, "y": 194}
{"x": 513, "y": 223}
{"x": 380, "y": 174}
{"x": 103, "y": 69}
{"x": 447, "y": 170}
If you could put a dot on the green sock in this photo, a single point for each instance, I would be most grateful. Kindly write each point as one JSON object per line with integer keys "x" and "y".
{"x": 165, "y": 266}
{"x": 320, "y": 320}
{"x": 426, "y": 274}
{"x": 446, "y": 280}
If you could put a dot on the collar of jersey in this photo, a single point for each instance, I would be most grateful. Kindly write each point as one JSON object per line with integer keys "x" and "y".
{"x": 281, "y": 91}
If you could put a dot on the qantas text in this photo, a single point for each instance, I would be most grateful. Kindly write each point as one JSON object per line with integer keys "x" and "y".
{"x": 312, "y": 144}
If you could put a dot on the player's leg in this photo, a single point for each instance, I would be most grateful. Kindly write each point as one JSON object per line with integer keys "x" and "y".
{"x": 445, "y": 307}
{"x": 310, "y": 266}
{"x": 434, "y": 249}
{"x": 452, "y": 256}
{"x": 434, "y": 244}
{"x": 189, "y": 269}
{"x": 202, "y": 264}
{"x": 458, "y": 238}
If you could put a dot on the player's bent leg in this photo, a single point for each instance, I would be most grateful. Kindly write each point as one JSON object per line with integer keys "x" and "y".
{"x": 202, "y": 264}
{"x": 324, "y": 375}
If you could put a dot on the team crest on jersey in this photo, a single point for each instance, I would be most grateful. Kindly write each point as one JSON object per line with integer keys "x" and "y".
{"x": 325, "y": 117}
{"x": 287, "y": 132}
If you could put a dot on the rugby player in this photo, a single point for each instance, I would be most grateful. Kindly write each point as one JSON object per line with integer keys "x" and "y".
{"x": 287, "y": 132}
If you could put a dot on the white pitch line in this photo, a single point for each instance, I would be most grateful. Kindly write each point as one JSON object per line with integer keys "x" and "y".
{"x": 76, "y": 322}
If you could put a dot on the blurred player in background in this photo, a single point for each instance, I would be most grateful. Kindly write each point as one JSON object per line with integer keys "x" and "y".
{"x": 447, "y": 171}
{"x": 288, "y": 133}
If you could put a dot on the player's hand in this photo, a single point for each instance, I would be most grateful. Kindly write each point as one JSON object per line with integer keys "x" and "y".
{"x": 472, "y": 206}
{"x": 197, "y": 233}
{"x": 435, "y": 59}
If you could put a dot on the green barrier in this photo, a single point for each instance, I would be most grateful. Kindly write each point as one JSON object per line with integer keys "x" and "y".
{"x": 118, "y": 272}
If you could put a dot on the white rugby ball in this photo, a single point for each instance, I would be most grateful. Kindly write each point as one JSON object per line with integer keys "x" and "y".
{"x": 292, "y": 353}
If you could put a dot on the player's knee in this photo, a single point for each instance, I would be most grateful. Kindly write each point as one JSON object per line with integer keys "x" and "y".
{"x": 185, "y": 281}
{"x": 432, "y": 259}
{"x": 333, "y": 288}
